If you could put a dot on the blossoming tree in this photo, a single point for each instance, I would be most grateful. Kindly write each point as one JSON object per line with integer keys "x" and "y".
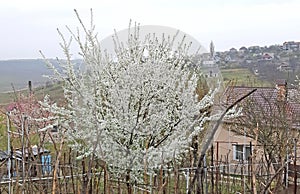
{"x": 25, "y": 114}
{"x": 136, "y": 110}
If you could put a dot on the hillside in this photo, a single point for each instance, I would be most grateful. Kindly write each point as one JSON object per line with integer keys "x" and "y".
{"x": 55, "y": 91}
{"x": 19, "y": 72}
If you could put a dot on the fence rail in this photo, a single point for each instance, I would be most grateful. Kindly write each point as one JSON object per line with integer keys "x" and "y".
{"x": 73, "y": 176}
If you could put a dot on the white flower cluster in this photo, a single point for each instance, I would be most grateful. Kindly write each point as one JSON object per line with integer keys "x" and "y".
{"x": 135, "y": 111}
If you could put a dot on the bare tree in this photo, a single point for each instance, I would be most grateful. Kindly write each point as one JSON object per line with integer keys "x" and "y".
{"x": 269, "y": 118}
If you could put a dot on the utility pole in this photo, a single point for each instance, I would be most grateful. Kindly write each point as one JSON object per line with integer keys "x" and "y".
{"x": 23, "y": 153}
{"x": 187, "y": 176}
{"x": 295, "y": 166}
{"x": 30, "y": 88}
{"x": 9, "y": 153}
{"x": 287, "y": 166}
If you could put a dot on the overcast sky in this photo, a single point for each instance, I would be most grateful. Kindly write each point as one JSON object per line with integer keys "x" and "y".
{"x": 29, "y": 26}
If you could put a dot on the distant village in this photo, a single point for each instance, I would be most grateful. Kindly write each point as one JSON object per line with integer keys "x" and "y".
{"x": 35, "y": 158}
{"x": 268, "y": 63}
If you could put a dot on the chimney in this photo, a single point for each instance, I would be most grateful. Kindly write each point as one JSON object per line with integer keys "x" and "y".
{"x": 281, "y": 86}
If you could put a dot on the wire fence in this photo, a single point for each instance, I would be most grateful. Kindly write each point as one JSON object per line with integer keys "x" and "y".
{"x": 89, "y": 176}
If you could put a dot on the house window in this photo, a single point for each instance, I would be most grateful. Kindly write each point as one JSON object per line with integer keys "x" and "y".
{"x": 241, "y": 152}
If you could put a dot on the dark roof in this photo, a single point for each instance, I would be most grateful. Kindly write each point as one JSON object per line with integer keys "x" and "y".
{"x": 243, "y": 48}
{"x": 3, "y": 155}
{"x": 35, "y": 151}
{"x": 281, "y": 82}
{"x": 234, "y": 93}
{"x": 268, "y": 99}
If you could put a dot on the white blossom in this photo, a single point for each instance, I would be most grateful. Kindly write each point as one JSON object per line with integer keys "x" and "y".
{"x": 136, "y": 109}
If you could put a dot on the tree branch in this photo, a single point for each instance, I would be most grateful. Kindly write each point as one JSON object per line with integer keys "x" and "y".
{"x": 209, "y": 139}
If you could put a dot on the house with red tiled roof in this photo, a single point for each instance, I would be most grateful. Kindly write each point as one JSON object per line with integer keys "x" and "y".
{"x": 272, "y": 110}
{"x": 267, "y": 56}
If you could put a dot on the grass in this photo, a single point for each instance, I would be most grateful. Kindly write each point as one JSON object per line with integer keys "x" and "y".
{"x": 242, "y": 77}
{"x": 55, "y": 91}
{"x": 6, "y": 98}
{"x": 16, "y": 139}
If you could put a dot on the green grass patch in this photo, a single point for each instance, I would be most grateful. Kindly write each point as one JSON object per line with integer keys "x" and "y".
{"x": 242, "y": 77}
{"x": 55, "y": 91}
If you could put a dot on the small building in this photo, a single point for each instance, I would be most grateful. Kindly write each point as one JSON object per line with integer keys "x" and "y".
{"x": 32, "y": 154}
{"x": 267, "y": 56}
{"x": 254, "y": 49}
{"x": 33, "y": 158}
{"x": 233, "y": 50}
{"x": 243, "y": 49}
{"x": 235, "y": 146}
{"x": 284, "y": 67}
{"x": 208, "y": 62}
{"x": 291, "y": 45}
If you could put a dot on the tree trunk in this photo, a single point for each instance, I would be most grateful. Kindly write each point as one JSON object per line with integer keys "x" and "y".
{"x": 106, "y": 183}
{"x": 129, "y": 187}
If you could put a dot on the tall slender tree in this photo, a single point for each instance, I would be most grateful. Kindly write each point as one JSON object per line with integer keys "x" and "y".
{"x": 212, "y": 49}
